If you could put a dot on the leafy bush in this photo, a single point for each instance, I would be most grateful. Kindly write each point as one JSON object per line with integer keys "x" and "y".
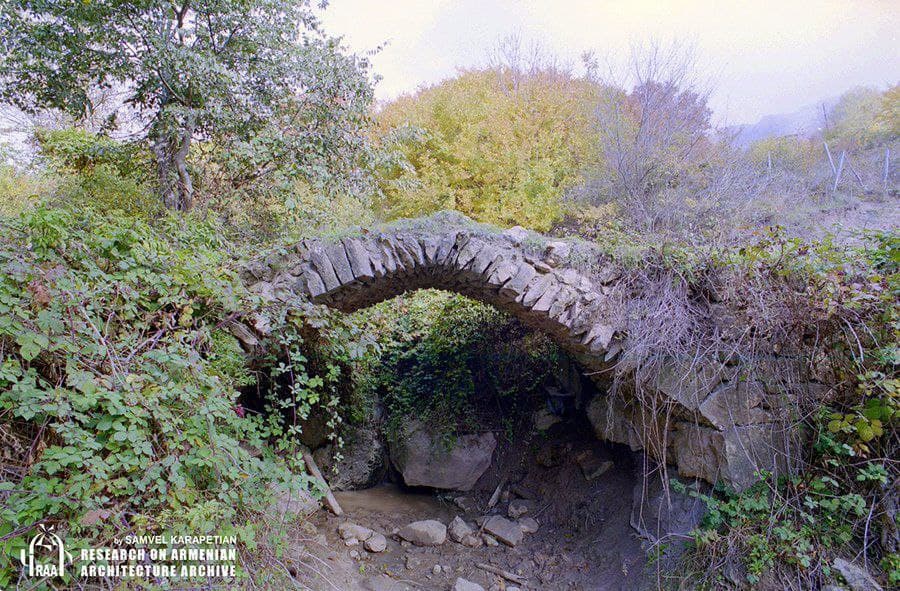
{"x": 19, "y": 190}
{"x": 118, "y": 382}
{"x": 100, "y": 172}
{"x": 454, "y": 363}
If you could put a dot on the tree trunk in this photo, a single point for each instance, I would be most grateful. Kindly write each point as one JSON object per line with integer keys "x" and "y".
{"x": 171, "y": 150}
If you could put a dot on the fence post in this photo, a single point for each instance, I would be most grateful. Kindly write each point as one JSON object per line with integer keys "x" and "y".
{"x": 830, "y": 159}
{"x": 840, "y": 169}
{"x": 887, "y": 163}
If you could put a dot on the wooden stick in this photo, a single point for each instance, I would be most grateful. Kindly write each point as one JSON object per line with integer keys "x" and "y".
{"x": 330, "y": 501}
{"x": 503, "y": 573}
{"x": 495, "y": 498}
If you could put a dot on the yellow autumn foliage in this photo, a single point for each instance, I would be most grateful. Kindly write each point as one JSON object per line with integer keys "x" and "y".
{"x": 497, "y": 145}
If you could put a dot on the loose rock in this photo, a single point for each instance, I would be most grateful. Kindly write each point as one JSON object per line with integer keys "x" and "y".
{"x": 504, "y": 530}
{"x": 377, "y": 543}
{"x": 556, "y": 253}
{"x": 464, "y": 585}
{"x": 516, "y": 235}
{"x": 425, "y": 533}
{"x": 529, "y": 525}
{"x": 518, "y": 508}
{"x": 857, "y": 577}
{"x": 591, "y": 466}
{"x": 544, "y": 419}
{"x": 381, "y": 583}
{"x": 466, "y": 504}
{"x": 458, "y": 530}
{"x": 348, "y": 530}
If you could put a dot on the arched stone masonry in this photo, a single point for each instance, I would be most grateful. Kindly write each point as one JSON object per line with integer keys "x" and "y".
{"x": 728, "y": 436}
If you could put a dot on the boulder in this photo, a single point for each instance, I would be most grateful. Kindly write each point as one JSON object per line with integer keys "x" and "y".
{"x": 503, "y": 529}
{"x": 425, "y": 533}
{"x": 464, "y": 585}
{"x": 752, "y": 448}
{"x": 857, "y": 577}
{"x": 687, "y": 381}
{"x": 315, "y": 431}
{"x": 424, "y": 461}
{"x": 698, "y": 451}
{"x": 734, "y": 455}
{"x": 663, "y": 513}
{"x": 610, "y": 420}
{"x": 362, "y": 462}
{"x": 660, "y": 514}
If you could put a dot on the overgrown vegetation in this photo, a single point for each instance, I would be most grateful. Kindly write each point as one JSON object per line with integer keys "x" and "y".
{"x": 836, "y": 308}
{"x": 454, "y": 364}
{"x": 119, "y": 384}
{"x": 122, "y": 384}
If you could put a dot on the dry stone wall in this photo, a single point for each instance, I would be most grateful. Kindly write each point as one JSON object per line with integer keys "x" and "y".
{"x": 724, "y": 431}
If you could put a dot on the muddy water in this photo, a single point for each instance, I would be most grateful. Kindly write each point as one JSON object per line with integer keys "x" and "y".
{"x": 389, "y": 500}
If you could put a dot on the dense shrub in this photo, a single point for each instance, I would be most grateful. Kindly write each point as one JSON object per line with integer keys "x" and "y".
{"x": 454, "y": 363}
{"x": 119, "y": 378}
{"x": 98, "y": 171}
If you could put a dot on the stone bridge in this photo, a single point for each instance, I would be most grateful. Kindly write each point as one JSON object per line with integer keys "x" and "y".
{"x": 718, "y": 430}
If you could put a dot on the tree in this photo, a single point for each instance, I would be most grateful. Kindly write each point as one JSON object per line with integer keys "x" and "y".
{"x": 256, "y": 76}
{"x": 653, "y": 137}
{"x": 864, "y": 118}
{"x": 500, "y": 144}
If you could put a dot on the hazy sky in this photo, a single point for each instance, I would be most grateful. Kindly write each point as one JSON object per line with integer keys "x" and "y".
{"x": 762, "y": 56}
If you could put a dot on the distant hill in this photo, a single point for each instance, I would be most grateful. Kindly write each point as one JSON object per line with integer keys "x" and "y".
{"x": 804, "y": 121}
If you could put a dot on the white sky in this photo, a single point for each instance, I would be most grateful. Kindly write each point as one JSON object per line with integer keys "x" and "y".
{"x": 762, "y": 56}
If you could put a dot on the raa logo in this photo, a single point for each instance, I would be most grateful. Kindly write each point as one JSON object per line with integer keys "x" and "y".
{"x": 46, "y": 555}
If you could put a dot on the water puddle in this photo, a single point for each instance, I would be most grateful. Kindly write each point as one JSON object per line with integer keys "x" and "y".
{"x": 391, "y": 501}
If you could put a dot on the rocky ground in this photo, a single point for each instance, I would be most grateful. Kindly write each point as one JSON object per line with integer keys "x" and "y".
{"x": 553, "y": 512}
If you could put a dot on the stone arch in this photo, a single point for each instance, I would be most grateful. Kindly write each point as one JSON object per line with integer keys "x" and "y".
{"x": 720, "y": 432}
{"x": 355, "y": 273}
